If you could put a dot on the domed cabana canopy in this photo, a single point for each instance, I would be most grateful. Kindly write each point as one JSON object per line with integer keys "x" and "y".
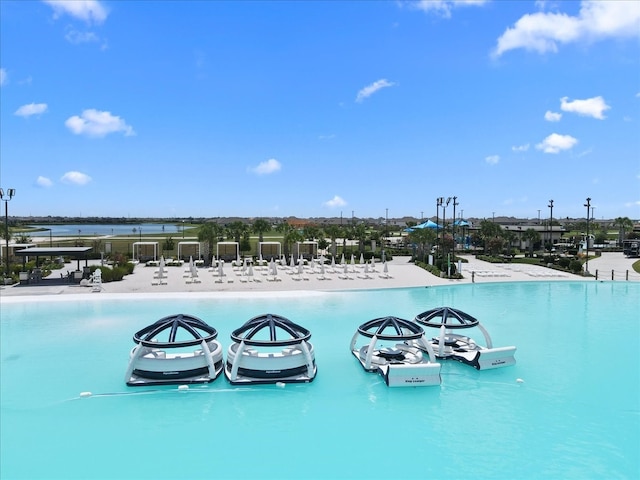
{"x": 391, "y": 328}
{"x": 176, "y": 331}
{"x": 394, "y": 349}
{"x": 165, "y": 353}
{"x": 270, "y": 330}
{"x": 461, "y": 347}
{"x": 449, "y": 317}
{"x": 270, "y": 348}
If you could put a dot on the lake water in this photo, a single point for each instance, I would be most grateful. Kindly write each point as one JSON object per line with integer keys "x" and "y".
{"x": 575, "y": 413}
{"x": 74, "y": 230}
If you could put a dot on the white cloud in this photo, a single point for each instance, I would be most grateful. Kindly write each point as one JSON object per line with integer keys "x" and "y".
{"x": 555, "y": 142}
{"x": 543, "y": 31}
{"x": 3, "y": 77}
{"x": 520, "y": 148}
{"x": 95, "y": 123}
{"x": 43, "y": 182}
{"x": 264, "y": 168}
{"x": 550, "y": 116}
{"x": 75, "y": 178}
{"x": 444, "y": 7}
{"x": 369, "y": 90}
{"x": 76, "y": 37}
{"x": 590, "y": 107}
{"x": 31, "y": 109}
{"x": 492, "y": 159}
{"x": 336, "y": 201}
{"x": 90, "y": 11}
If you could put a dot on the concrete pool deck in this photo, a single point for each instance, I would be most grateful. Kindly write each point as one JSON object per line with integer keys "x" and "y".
{"x": 402, "y": 274}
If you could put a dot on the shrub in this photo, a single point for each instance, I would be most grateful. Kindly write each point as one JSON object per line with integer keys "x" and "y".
{"x": 575, "y": 266}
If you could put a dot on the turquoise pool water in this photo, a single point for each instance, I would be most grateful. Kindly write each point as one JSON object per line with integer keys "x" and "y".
{"x": 576, "y": 415}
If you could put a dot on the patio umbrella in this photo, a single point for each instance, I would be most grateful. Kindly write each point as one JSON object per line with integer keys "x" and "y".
{"x": 292, "y": 263}
{"x": 361, "y": 259}
{"x": 221, "y": 268}
{"x": 192, "y": 268}
{"x": 161, "y": 269}
{"x": 250, "y": 272}
{"x": 342, "y": 259}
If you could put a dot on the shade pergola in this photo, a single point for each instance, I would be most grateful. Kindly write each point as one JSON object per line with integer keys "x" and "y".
{"x": 75, "y": 253}
{"x": 307, "y": 249}
{"x": 269, "y": 250}
{"x": 198, "y": 250}
{"x": 228, "y": 251}
{"x": 136, "y": 250}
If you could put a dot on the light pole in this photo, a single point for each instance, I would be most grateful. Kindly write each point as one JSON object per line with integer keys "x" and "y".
{"x": 384, "y": 238}
{"x": 453, "y": 228}
{"x": 6, "y": 198}
{"x": 586, "y": 265}
{"x": 439, "y": 201}
{"x": 444, "y": 222}
{"x": 551, "y": 226}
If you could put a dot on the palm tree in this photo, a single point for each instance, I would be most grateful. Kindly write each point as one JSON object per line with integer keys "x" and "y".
{"x": 360, "y": 234}
{"x": 209, "y": 233}
{"x": 489, "y": 230}
{"x": 424, "y": 238}
{"x": 236, "y": 230}
{"x": 311, "y": 232}
{"x": 509, "y": 237}
{"x": 290, "y": 235}
{"x": 532, "y": 237}
{"x": 623, "y": 224}
{"x": 333, "y": 232}
{"x": 260, "y": 226}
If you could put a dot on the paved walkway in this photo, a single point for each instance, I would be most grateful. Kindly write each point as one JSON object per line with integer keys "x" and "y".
{"x": 401, "y": 273}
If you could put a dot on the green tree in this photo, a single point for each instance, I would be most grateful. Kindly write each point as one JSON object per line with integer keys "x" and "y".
{"x": 209, "y": 233}
{"x": 333, "y": 232}
{"x": 290, "y": 235}
{"x": 261, "y": 226}
{"x": 532, "y": 237}
{"x": 424, "y": 239}
{"x": 624, "y": 224}
{"x": 489, "y": 230}
{"x": 360, "y": 234}
{"x": 236, "y": 230}
{"x": 311, "y": 232}
{"x": 508, "y": 237}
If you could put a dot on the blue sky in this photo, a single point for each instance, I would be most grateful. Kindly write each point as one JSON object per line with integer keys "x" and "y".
{"x": 317, "y": 109}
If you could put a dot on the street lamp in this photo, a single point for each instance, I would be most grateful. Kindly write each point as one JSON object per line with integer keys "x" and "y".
{"x": 586, "y": 266}
{"x": 551, "y": 226}
{"x": 444, "y": 222}
{"x": 453, "y": 228}
{"x": 439, "y": 202}
{"x": 6, "y": 198}
{"x": 384, "y": 238}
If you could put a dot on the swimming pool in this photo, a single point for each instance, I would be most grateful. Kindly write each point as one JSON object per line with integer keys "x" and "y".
{"x": 576, "y": 415}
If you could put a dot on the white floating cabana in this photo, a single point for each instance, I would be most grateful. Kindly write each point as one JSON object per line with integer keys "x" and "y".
{"x": 228, "y": 251}
{"x": 307, "y": 249}
{"x": 269, "y": 250}
{"x": 141, "y": 251}
{"x": 193, "y": 249}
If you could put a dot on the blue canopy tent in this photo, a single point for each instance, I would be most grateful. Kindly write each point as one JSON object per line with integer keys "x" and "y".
{"x": 427, "y": 224}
